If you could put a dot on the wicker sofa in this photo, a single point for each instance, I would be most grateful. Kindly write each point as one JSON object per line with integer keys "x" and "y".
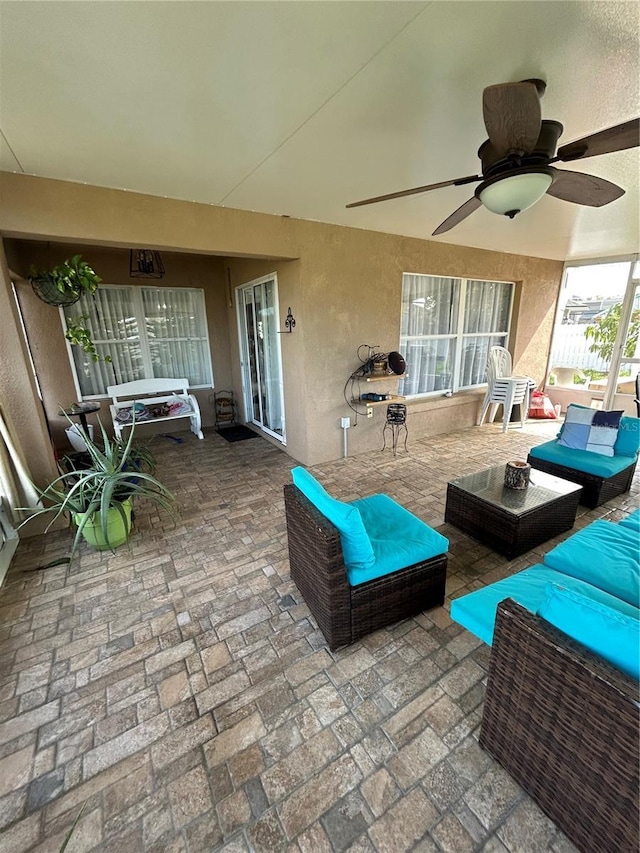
{"x": 564, "y": 724}
{"x": 561, "y": 705}
{"x": 350, "y": 603}
{"x": 601, "y": 477}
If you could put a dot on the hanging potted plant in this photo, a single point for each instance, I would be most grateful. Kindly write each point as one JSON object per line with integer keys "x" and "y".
{"x": 98, "y": 491}
{"x": 63, "y": 286}
{"x": 65, "y": 283}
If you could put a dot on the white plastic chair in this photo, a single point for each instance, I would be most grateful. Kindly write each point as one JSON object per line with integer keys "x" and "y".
{"x": 503, "y": 389}
{"x": 565, "y": 377}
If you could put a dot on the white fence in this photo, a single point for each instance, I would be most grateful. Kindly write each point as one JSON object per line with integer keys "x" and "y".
{"x": 571, "y": 349}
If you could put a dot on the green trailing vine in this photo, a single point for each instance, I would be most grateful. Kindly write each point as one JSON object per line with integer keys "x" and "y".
{"x": 78, "y": 335}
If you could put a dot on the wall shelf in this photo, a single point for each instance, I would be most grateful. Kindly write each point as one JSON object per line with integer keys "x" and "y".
{"x": 392, "y": 398}
{"x": 374, "y": 377}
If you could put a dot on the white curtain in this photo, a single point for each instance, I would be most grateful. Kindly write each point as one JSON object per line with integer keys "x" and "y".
{"x": 148, "y": 332}
{"x": 15, "y": 482}
{"x": 487, "y": 306}
{"x": 176, "y": 331}
{"x": 429, "y": 307}
{"x": 110, "y": 317}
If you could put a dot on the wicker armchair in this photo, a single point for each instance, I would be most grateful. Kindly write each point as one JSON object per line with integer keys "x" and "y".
{"x": 595, "y": 490}
{"x": 564, "y": 724}
{"x": 345, "y": 613}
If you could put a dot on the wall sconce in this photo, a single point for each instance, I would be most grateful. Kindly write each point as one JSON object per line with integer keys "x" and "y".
{"x": 145, "y": 263}
{"x": 289, "y": 322}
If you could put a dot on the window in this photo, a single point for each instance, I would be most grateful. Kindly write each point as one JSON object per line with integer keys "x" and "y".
{"x": 447, "y": 327}
{"x": 149, "y": 332}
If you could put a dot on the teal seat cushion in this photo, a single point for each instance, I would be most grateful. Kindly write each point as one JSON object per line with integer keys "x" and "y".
{"x": 582, "y": 460}
{"x": 399, "y": 539}
{"x": 356, "y": 547}
{"x": 628, "y": 441}
{"x": 609, "y": 633}
{"x": 604, "y": 554}
{"x": 632, "y": 522}
{"x": 477, "y": 610}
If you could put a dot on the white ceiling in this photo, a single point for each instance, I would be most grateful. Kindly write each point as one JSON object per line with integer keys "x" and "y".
{"x": 300, "y": 107}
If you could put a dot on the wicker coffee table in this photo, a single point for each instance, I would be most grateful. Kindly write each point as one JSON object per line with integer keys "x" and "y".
{"x": 511, "y": 521}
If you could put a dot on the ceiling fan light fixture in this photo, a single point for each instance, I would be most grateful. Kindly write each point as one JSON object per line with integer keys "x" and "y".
{"x": 511, "y": 194}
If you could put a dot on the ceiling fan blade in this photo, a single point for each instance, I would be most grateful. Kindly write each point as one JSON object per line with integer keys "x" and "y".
{"x": 626, "y": 135}
{"x": 512, "y": 116}
{"x": 581, "y": 188}
{"x": 456, "y": 182}
{"x": 458, "y": 215}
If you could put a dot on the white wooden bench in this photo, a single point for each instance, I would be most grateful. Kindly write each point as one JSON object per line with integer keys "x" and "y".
{"x": 154, "y": 393}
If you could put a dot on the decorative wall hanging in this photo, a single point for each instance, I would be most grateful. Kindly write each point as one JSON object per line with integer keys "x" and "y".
{"x": 289, "y": 322}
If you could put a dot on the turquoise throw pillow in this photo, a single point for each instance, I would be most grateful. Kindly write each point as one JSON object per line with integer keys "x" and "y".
{"x": 356, "y": 545}
{"x": 607, "y": 632}
{"x": 628, "y": 441}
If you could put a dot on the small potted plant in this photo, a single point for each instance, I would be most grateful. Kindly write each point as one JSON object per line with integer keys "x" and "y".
{"x": 65, "y": 283}
{"x": 98, "y": 489}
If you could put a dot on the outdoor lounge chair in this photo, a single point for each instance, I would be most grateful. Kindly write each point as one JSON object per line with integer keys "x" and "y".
{"x": 564, "y": 724}
{"x": 345, "y": 602}
{"x": 601, "y": 477}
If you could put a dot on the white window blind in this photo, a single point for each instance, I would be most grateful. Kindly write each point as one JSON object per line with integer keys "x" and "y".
{"x": 149, "y": 332}
{"x": 447, "y": 327}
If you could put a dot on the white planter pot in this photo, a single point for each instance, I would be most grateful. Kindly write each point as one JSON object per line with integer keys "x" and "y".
{"x": 75, "y": 435}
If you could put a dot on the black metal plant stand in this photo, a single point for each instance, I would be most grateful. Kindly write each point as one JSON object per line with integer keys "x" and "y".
{"x": 396, "y": 422}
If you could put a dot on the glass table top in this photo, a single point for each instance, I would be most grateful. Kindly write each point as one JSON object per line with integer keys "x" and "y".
{"x": 489, "y": 486}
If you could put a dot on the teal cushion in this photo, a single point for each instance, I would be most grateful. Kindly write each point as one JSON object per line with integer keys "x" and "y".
{"x": 607, "y": 632}
{"x": 582, "y": 460}
{"x": 603, "y": 554}
{"x": 399, "y": 539}
{"x": 356, "y": 547}
{"x": 628, "y": 441}
{"x": 476, "y": 611}
{"x": 632, "y": 522}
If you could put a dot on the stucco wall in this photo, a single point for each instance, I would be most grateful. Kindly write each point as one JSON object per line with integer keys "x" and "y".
{"x": 343, "y": 286}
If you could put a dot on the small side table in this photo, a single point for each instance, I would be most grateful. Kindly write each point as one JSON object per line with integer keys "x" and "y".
{"x": 81, "y": 412}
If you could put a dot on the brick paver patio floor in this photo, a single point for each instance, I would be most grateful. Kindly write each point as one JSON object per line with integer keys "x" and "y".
{"x": 181, "y": 691}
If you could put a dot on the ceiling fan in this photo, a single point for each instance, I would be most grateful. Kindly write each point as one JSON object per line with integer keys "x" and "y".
{"x": 516, "y": 158}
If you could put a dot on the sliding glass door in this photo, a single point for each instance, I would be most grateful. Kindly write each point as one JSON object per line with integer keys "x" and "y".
{"x": 260, "y": 359}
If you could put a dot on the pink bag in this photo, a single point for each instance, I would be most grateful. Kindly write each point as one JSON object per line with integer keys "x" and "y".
{"x": 540, "y": 406}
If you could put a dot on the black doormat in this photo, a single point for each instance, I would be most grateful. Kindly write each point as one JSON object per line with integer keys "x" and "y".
{"x": 237, "y": 433}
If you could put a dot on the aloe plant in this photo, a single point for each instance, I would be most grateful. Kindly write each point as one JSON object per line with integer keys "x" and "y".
{"x": 114, "y": 473}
